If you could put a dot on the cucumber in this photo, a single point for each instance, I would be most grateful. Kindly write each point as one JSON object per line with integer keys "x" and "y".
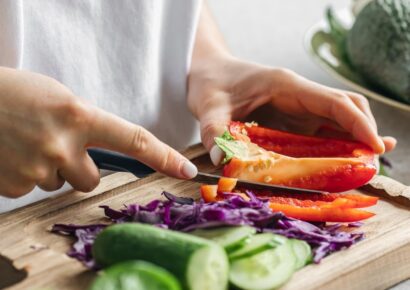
{"x": 257, "y": 244}
{"x": 230, "y": 238}
{"x": 199, "y": 264}
{"x": 264, "y": 271}
{"x": 135, "y": 275}
{"x": 302, "y": 252}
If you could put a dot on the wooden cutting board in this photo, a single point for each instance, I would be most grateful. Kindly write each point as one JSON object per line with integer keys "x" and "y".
{"x": 379, "y": 261}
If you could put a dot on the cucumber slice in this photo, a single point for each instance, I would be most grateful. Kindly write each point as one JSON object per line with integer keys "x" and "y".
{"x": 264, "y": 271}
{"x": 199, "y": 264}
{"x": 135, "y": 275}
{"x": 230, "y": 238}
{"x": 257, "y": 244}
{"x": 302, "y": 251}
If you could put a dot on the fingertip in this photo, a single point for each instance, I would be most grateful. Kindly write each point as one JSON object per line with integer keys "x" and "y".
{"x": 379, "y": 147}
{"x": 211, "y": 128}
{"x": 216, "y": 155}
{"x": 189, "y": 170}
{"x": 389, "y": 143}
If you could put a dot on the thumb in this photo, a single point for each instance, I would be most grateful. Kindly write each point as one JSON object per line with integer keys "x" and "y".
{"x": 210, "y": 128}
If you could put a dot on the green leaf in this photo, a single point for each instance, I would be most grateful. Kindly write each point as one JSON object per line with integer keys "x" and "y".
{"x": 231, "y": 147}
{"x": 227, "y": 136}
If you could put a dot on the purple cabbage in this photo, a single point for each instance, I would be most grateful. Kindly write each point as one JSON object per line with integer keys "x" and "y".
{"x": 85, "y": 234}
{"x": 184, "y": 214}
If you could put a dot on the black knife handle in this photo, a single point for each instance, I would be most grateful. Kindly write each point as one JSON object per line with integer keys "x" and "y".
{"x": 109, "y": 160}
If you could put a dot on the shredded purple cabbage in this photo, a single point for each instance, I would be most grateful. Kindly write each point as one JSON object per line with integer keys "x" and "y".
{"x": 85, "y": 234}
{"x": 184, "y": 214}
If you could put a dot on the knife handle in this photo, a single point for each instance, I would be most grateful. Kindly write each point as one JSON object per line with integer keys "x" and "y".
{"x": 109, "y": 160}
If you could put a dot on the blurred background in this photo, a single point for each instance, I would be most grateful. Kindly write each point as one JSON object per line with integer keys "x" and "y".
{"x": 271, "y": 32}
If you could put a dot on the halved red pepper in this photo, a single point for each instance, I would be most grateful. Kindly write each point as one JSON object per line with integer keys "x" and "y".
{"x": 277, "y": 157}
{"x": 295, "y": 145}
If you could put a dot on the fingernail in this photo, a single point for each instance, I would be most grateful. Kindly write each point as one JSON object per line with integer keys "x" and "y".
{"x": 216, "y": 155}
{"x": 390, "y": 138}
{"x": 189, "y": 170}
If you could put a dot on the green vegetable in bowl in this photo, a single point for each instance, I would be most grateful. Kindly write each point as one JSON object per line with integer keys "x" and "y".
{"x": 378, "y": 45}
{"x": 135, "y": 275}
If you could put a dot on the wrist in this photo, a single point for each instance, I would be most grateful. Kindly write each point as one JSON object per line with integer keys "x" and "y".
{"x": 206, "y": 66}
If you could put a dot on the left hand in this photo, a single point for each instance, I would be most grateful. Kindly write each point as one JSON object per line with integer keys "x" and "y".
{"x": 228, "y": 89}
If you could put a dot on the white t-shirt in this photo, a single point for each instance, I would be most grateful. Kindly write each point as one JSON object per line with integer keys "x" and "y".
{"x": 128, "y": 57}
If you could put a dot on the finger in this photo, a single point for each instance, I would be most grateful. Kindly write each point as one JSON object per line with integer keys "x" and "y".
{"x": 356, "y": 122}
{"x": 213, "y": 124}
{"x": 211, "y": 128}
{"x": 216, "y": 155}
{"x": 52, "y": 182}
{"x": 389, "y": 143}
{"x": 340, "y": 108}
{"x": 81, "y": 172}
{"x": 114, "y": 133}
{"x": 363, "y": 104}
{"x": 13, "y": 188}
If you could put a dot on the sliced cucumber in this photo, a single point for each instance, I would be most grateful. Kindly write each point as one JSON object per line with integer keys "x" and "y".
{"x": 264, "y": 271}
{"x": 257, "y": 244}
{"x": 135, "y": 275}
{"x": 302, "y": 251}
{"x": 228, "y": 237}
{"x": 199, "y": 264}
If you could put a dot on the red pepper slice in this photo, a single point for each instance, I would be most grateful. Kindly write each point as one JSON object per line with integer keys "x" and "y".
{"x": 343, "y": 200}
{"x": 226, "y": 184}
{"x": 331, "y": 207}
{"x": 321, "y": 214}
{"x": 209, "y": 192}
{"x": 331, "y": 165}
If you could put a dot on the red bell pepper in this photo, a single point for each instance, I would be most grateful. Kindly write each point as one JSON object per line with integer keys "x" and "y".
{"x": 226, "y": 184}
{"x": 212, "y": 193}
{"x": 295, "y": 145}
{"x": 209, "y": 192}
{"x": 341, "y": 200}
{"x": 277, "y": 157}
{"x": 330, "y": 207}
{"x": 321, "y": 214}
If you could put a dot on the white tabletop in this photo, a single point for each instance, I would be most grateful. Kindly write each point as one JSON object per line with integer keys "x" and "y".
{"x": 271, "y": 32}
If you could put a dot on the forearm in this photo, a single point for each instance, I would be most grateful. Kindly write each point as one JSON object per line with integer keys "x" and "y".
{"x": 209, "y": 43}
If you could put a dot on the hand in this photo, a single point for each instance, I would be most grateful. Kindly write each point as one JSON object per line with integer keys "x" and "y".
{"x": 225, "y": 89}
{"x": 45, "y": 131}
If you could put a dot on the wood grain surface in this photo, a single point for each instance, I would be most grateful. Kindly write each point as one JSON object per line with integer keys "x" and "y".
{"x": 379, "y": 261}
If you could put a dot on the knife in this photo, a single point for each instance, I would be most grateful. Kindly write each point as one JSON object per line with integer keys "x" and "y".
{"x": 105, "y": 159}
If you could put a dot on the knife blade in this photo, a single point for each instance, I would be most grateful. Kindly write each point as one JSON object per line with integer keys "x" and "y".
{"x": 109, "y": 160}
{"x": 208, "y": 178}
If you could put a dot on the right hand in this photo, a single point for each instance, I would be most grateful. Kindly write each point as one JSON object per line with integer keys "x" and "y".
{"x": 45, "y": 130}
